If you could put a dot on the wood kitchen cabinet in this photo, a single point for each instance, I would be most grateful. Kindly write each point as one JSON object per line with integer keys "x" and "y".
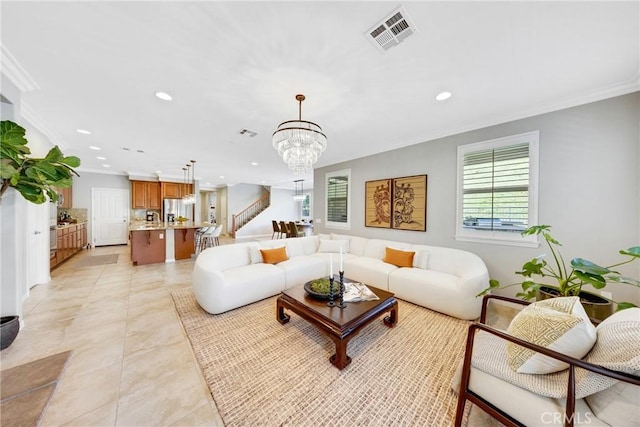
{"x": 148, "y": 246}
{"x": 70, "y": 240}
{"x": 145, "y": 195}
{"x": 65, "y": 197}
{"x": 184, "y": 243}
{"x": 175, "y": 190}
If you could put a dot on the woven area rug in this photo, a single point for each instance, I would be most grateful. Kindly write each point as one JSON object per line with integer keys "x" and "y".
{"x": 263, "y": 373}
{"x": 91, "y": 261}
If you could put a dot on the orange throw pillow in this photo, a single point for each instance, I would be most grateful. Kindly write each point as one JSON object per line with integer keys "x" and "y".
{"x": 274, "y": 256}
{"x": 399, "y": 258}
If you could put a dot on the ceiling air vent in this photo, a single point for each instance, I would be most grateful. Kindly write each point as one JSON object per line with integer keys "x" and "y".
{"x": 247, "y": 132}
{"x": 392, "y": 30}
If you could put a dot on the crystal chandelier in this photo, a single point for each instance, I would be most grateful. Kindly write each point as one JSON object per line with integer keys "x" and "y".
{"x": 190, "y": 199}
{"x": 298, "y": 190}
{"x": 299, "y": 142}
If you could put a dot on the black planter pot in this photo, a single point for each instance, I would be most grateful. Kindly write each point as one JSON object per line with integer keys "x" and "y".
{"x": 9, "y": 327}
{"x": 596, "y": 307}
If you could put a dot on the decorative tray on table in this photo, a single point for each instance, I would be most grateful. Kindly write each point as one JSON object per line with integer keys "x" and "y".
{"x": 319, "y": 288}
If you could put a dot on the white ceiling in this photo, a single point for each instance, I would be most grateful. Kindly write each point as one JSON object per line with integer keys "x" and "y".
{"x": 235, "y": 65}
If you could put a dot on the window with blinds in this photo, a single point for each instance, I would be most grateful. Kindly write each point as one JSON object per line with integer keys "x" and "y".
{"x": 496, "y": 187}
{"x": 338, "y": 195}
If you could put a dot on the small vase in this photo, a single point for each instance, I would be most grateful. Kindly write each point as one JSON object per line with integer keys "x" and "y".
{"x": 9, "y": 327}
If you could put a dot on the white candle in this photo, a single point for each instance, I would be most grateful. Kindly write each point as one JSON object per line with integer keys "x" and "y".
{"x": 341, "y": 269}
{"x": 330, "y": 265}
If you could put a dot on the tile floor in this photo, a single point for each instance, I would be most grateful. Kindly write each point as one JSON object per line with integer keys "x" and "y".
{"x": 132, "y": 364}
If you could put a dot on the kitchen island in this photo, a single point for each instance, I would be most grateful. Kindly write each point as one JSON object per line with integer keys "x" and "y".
{"x": 154, "y": 242}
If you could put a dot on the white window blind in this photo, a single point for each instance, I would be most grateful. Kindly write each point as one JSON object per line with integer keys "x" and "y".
{"x": 496, "y": 188}
{"x": 338, "y": 194}
{"x": 497, "y": 194}
{"x": 337, "y": 206}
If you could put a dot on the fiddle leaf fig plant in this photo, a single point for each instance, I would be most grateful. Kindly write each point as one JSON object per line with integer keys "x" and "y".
{"x": 36, "y": 179}
{"x": 568, "y": 279}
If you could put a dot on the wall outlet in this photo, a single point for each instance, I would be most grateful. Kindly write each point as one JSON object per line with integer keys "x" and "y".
{"x": 161, "y": 236}
{"x": 318, "y": 221}
{"x": 607, "y": 295}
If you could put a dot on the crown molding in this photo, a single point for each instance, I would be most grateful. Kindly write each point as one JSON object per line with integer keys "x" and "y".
{"x": 16, "y": 72}
{"x": 30, "y": 116}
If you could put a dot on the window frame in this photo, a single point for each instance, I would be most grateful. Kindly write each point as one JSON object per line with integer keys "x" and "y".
{"x": 307, "y": 198}
{"x": 332, "y": 224}
{"x": 493, "y": 236}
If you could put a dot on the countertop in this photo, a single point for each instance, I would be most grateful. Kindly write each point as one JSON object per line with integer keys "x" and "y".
{"x": 61, "y": 227}
{"x": 146, "y": 226}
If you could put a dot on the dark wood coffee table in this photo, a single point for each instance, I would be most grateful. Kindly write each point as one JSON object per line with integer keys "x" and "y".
{"x": 339, "y": 324}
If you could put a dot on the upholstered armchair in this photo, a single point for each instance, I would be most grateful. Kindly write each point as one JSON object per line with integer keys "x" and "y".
{"x": 502, "y": 373}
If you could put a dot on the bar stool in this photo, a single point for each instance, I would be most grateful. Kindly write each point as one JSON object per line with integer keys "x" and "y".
{"x": 198, "y": 239}
{"x": 210, "y": 237}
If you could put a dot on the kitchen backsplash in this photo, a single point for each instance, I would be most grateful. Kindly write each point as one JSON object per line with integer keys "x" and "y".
{"x": 79, "y": 214}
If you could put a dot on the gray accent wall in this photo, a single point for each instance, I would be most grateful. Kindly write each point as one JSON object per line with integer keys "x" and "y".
{"x": 589, "y": 187}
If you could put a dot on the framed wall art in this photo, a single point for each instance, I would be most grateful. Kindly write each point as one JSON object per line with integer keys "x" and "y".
{"x": 377, "y": 210}
{"x": 409, "y": 196}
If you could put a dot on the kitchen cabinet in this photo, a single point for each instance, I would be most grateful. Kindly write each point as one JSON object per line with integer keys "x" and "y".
{"x": 184, "y": 243}
{"x": 148, "y": 246}
{"x": 70, "y": 240}
{"x": 175, "y": 190}
{"x": 145, "y": 195}
{"x": 65, "y": 197}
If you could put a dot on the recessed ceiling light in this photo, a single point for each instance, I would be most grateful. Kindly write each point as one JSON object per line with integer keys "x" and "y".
{"x": 207, "y": 183}
{"x": 254, "y": 163}
{"x": 101, "y": 158}
{"x": 443, "y": 95}
{"x": 221, "y": 176}
{"x": 164, "y": 96}
{"x": 94, "y": 148}
{"x": 106, "y": 166}
{"x": 84, "y": 132}
{"x": 158, "y": 171}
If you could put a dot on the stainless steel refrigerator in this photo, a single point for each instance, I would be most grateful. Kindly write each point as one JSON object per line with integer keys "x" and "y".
{"x": 174, "y": 208}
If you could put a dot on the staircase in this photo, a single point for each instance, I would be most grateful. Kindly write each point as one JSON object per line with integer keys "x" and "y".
{"x": 242, "y": 218}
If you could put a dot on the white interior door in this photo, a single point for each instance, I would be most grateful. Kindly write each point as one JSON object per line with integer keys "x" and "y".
{"x": 110, "y": 211}
{"x": 37, "y": 238}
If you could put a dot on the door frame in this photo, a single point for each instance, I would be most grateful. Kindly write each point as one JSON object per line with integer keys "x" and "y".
{"x": 126, "y": 192}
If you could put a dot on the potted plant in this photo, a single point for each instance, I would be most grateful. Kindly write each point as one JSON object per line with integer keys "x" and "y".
{"x": 36, "y": 179}
{"x": 569, "y": 280}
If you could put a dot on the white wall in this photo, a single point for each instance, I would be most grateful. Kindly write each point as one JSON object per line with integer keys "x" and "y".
{"x": 589, "y": 188}
{"x": 24, "y": 257}
{"x": 283, "y": 208}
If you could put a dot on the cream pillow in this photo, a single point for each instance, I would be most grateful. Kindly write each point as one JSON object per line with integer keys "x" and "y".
{"x": 342, "y": 238}
{"x": 255, "y": 254}
{"x": 559, "y": 324}
{"x": 420, "y": 259}
{"x": 618, "y": 348}
{"x": 333, "y": 246}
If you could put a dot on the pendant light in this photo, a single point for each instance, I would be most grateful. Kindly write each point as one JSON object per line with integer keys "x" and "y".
{"x": 190, "y": 198}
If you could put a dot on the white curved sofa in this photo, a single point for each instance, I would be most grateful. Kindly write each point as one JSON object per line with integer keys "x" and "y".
{"x": 442, "y": 279}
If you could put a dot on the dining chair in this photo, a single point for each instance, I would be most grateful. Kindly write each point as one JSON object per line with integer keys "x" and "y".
{"x": 284, "y": 229}
{"x": 276, "y": 229}
{"x": 293, "y": 230}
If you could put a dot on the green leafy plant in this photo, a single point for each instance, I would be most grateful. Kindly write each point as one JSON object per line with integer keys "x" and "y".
{"x": 36, "y": 179}
{"x": 568, "y": 280}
